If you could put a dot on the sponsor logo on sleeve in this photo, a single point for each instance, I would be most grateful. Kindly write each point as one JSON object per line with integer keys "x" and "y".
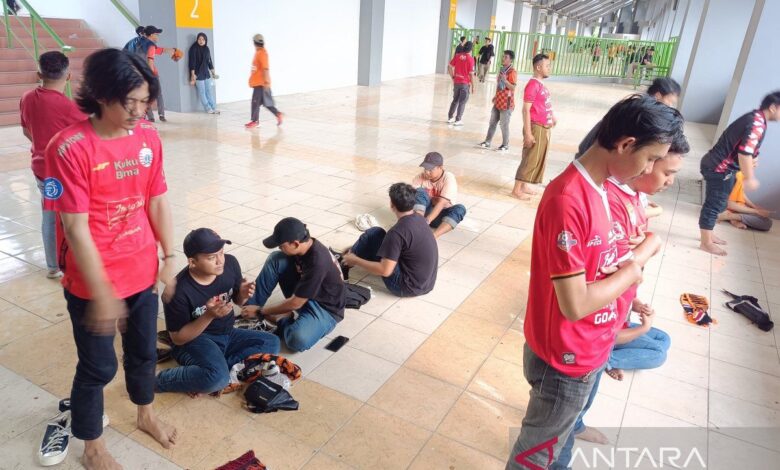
{"x": 52, "y": 188}
{"x": 595, "y": 241}
{"x": 565, "y": 241}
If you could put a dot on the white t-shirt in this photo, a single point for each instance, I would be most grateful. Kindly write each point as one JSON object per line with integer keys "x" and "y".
{"x": 445, "y": 187}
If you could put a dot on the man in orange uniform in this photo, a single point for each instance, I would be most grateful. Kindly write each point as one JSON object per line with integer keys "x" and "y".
{"x": 260, "y": 82}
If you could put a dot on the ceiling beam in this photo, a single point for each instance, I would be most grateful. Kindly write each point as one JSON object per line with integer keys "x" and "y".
{"x": 560, "y": 5}
{"x": 582, "y": 5}
{"x": 594, "y": 8}
{"x": 606, "y": 10}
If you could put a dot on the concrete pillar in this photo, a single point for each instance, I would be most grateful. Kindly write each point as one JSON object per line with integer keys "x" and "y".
{"x": 715, "y": 51}
{"x": 550, "y": 27}
{"x": 533, "y": 27}
{"x": 371, "y": 34}
{"x": 517, "y": 17}
{"x": 443, "y": 50}
{"x": 688, "y": 30}
{"x": 179, "y": 30}
{"x": 485, "y": 14}
{"x": 679, "y": 18}
{"x": 754, "y": 77}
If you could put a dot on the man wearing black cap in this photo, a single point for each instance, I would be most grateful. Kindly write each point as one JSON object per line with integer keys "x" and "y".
{"x": 406, "y": 256}
{"x": 310, "y": 280}
{"x": 152, "y": 34}
{"x": 199, "y": 318}
{"x": 437, "y": 191}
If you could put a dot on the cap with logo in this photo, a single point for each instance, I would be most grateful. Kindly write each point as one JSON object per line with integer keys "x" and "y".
{"x": 258, "y": 38}
{"x": 287, "y": 230}
{"x": 432, "y": 160}
{"x": 149, "y": 30}
{"x": 203, "y": 240}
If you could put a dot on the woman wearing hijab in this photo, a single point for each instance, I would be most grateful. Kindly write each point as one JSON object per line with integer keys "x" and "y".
{"x": 202, "y": 72}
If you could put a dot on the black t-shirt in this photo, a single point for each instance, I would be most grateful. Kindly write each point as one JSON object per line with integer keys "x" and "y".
{"x": 189, "y": 301}
{"x": 647, "y": 59}
{"x": 410, "y": 242}
{"x": 744, "y": 136}
{"x": 588, "y": 141}
{"x": 321, "y": 280}
{"x": 485, "y": 53}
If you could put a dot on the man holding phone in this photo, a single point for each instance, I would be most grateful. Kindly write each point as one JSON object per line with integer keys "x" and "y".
{"x": 199, "y": 317}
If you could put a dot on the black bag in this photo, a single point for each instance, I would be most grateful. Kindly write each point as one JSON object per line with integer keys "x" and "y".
{"x": 357, "y": 296}
{"x": 749, "y": 307}
{"x": 264, "y": 396}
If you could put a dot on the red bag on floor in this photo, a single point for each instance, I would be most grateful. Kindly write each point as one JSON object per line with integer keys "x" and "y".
{"x": 247, "y": 461}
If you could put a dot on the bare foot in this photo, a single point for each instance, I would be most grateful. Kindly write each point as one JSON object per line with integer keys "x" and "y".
{"x": 592, "y": 435}
{"x": 163, "y": 433}
{"x": 530, "y": 190}
{"x": 616, "y": 374}
{"x": 713, "y": 249}
{"x": 522, "y": 196}
{"x": 718, "y": 240}
{"x": 99, "y": 460}
{"x": 194, "y": 395}
{"x": 738, "y": 224}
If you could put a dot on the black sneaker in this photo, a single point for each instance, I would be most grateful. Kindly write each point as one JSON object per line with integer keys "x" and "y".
{"x": 339, "y": 257}
{"x": 503, "y": 148}
{"x": 485, "y": 145}
{"x": 162, "y": 118}
{"x": 54, "y": 445}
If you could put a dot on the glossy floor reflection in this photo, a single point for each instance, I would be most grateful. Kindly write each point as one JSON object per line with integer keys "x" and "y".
{"x": 432, "y": 382}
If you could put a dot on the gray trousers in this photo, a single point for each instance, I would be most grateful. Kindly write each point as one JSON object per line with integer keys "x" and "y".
{"x": 160, "y": 108}
{"x": 497, "y": 116}
{"x": 756, "y": 222}
{"x": 482, "y": 71}
{"x": 460, "y": 94}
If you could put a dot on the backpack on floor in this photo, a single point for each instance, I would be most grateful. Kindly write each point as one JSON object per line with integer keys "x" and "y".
{"x": 357, "y": 296}
{"x": 264, "y": 396}
{"x": 749, "y": 307}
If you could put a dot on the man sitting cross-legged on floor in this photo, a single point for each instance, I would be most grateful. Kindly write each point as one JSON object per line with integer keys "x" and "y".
{"x": 310, "y": 279}
{"x": 741, "y": 212}
{"x": 199, "y": 317}
{"x": 436, "y": 193}
{"x": 406, "y": 256}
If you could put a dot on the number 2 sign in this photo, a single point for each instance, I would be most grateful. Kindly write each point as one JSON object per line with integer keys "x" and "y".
{"x": 194, "y": 14}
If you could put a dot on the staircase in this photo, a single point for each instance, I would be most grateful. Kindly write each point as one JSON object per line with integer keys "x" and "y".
{"x": 18, "y": 69}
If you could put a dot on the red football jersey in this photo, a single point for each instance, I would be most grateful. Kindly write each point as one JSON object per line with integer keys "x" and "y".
{"x": 112, "y": 181}
{"x": 572, "y": 236}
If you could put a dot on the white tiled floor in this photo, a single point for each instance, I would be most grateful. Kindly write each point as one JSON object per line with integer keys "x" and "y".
{"x": 433, "y": 382}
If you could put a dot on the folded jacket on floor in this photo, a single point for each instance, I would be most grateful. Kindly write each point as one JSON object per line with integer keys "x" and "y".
{"x": 749, "y": 307}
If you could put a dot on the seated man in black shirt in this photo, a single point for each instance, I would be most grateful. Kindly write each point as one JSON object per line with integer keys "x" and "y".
{"x": 199, "y": 317}
{"x": 406, "y": 256}
{"x": 310, "y": 280}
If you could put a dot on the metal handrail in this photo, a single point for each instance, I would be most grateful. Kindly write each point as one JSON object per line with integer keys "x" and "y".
{"x": 126, "y": 13}
{"x": 34, "y": 18}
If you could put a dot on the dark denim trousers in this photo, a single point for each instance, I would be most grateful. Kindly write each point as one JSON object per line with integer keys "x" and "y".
{"x": 452, "y": 215}
{"x": 206, "y": 360}
{"x": 718, "y": 187}
{"x": 556, "y": 402}
{"x": 97, "y": 363}
{"x": 367, "y": 247}
{"x": 313, "y": 322}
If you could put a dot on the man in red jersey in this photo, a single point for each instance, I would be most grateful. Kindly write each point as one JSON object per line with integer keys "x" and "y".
{"x": 461, "y": 69}
{"x": 105, "y": 178}
{"x": 576, "y": 278}
{"x": 44, "y": 111}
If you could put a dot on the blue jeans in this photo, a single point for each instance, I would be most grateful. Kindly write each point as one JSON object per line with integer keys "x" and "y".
{"x": 646, "y": 352}
{"x": 313, "y": 322}
{"x": 206, "y": 360}
{"x": 556, "y": 402}
{"x": 717, "y": 190}
{"x": 97, "y": 363}
{"x": 49, "y": 232}
{"x": 206, "y": 94}
{"x": 451, "y": 216}
{"x": 367, "y": 246}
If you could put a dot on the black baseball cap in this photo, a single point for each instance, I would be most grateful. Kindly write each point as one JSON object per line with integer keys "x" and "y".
{"x": 203, "y": 240}
{"x": 432, "y": 160}
{"x": 149, "y": 30}
{"x": 287, "y": 230}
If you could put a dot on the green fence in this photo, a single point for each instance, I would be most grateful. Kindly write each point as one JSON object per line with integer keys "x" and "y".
{"x": 573, "y": 56}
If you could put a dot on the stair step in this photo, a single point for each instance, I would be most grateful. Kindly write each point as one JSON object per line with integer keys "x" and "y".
{"x": 19, "y": 53}
{"x": 49, "y": 42}
{"x": 53, "y": 22}
{"x": 8, "y": 105}
{"x": 64, "y": 33}
{"x": 29, "y": 65}
{"x": 17, "y": 78}
{"x": 14, "y": 91}
{"x": 10, "y": 119}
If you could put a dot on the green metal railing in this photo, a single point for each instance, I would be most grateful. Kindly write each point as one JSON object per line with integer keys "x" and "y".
{"x": 576, "y": 55}
{"x": 35, "y": 19}
{"x": 126, "y": 13}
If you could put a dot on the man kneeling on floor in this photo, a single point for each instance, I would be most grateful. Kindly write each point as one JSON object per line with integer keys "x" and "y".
{"x": 310, "y": 279}
{"x": 436, "y": 193}
{"x": 406, "y": 256}
{"x": 199, "y": 317}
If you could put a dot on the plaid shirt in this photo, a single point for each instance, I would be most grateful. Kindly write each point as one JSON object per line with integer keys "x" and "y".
{"x": 505, "y": 99}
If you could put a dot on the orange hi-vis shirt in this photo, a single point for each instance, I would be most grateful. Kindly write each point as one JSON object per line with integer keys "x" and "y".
{"x": 259, "y": 64}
